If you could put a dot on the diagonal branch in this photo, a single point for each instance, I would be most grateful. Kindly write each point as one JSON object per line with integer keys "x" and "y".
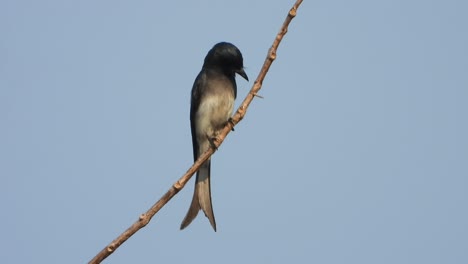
{"x": 145, "y": 218}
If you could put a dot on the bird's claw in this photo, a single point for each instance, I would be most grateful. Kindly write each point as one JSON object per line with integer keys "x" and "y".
{"x": 232, "y": 123}
{"x": 212, "y": 142}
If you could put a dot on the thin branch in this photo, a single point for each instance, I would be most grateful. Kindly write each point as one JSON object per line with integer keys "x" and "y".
{"x": 145, "y": 218}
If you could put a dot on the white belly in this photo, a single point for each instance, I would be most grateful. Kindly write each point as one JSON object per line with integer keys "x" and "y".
{"x": 213, "y": 113}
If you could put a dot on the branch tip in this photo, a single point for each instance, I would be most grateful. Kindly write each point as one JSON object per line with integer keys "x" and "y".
{"x": 257, "y": 95}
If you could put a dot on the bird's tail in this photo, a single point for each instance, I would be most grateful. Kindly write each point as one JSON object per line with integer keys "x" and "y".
{"x": 201, "y": 197}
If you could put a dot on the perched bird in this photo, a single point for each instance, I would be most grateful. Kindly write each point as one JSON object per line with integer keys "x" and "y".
{"x": 212, "y": 103}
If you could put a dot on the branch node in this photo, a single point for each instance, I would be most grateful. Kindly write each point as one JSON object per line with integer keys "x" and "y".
{"x": 111, "y": 248}
{"x": 142, "y": 217}
{"x": 292, "y": 12}
{"x": 178, "y": 185}
{"x": 272, "y": 55}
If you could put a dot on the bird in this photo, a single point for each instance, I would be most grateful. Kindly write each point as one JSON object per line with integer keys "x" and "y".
{"x": 212, "y": 102}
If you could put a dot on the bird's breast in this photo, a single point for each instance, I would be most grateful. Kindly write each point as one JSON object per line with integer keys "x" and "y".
{"x": 214, "y": 111}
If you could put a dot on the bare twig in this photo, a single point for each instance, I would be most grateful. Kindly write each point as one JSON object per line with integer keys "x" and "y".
{"x": 144, "y": 219}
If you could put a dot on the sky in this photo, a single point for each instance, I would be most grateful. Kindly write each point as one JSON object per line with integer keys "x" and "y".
{"x": 358, "y": 152}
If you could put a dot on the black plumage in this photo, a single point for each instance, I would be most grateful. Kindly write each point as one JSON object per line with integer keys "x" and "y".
{"x": 212, "y": 103}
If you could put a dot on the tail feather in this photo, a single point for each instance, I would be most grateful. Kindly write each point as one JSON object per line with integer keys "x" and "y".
{"x": 193, "y": 210}
{"x": 201, "y": 198}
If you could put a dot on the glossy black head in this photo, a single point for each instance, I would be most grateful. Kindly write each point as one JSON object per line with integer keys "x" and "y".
{"x": 227, "y": 57}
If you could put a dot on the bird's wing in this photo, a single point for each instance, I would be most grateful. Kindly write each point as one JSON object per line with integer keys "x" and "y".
{"x": 194, "y": 105}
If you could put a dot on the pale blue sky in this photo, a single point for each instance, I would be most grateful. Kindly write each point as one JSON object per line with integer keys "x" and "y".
{"x": 357, "y": 154}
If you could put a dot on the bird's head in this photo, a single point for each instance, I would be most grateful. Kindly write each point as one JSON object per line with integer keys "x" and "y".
{"x": 227, "y": 57}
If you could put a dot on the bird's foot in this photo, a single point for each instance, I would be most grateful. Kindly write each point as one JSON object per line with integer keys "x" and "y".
{"x": 212, "y": 142}
{"x": 212, "y": 138}
{"x": 232, "y": 123}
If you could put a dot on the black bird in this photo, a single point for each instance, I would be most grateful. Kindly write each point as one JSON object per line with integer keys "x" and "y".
{"x": 212, "y": 103}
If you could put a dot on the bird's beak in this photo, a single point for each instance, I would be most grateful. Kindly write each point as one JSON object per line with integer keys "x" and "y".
{"x": 242, "y": 73}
